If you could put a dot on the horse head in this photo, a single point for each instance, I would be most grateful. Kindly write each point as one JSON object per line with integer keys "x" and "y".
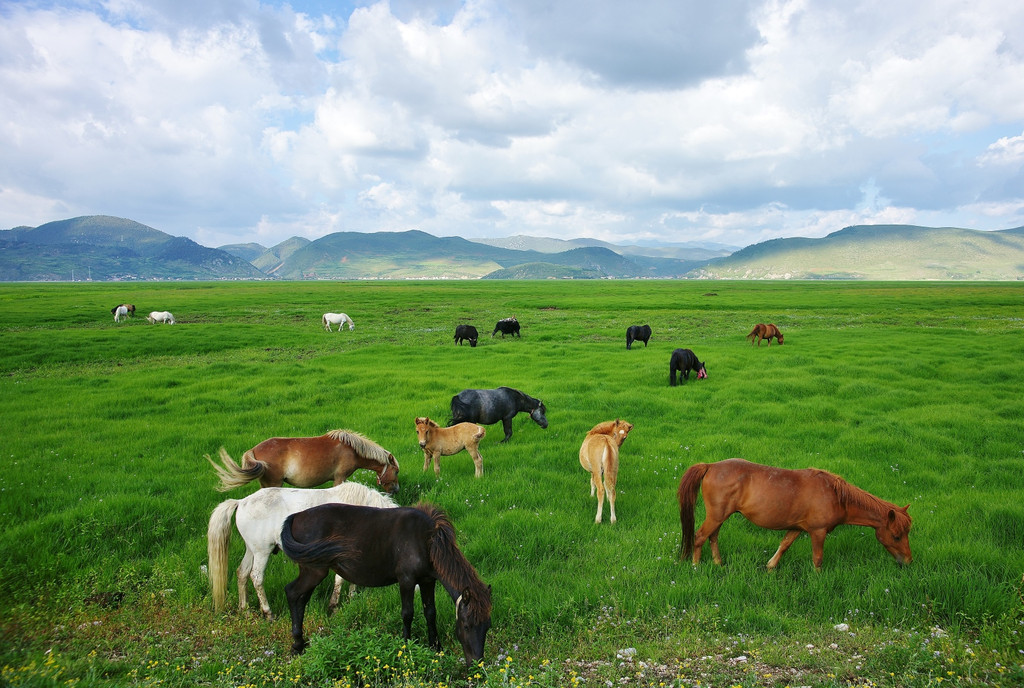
{"x": 621, "y": 430}
{"x": 702, "y": 372}
{"x": 472, "y": 621}
{"x": 538, "y": 415}
{"x": 423, "y": 427}
{"x": 894, "y": 534}
{"x": 388, "y": 476}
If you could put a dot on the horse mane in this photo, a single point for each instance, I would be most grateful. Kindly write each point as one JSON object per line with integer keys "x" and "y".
{"x": 524, "y": 395}
{"x": 850, "y": 494}
{"x": 605, "y": 428}
{"x": 426, "y": 421}
{"x": 363, "y": 495}
{"x": 366, "y": 448}
{"x": 453, "y": 568}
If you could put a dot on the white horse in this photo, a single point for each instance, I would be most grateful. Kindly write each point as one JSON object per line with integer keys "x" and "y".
{"x": 259, "y": 519}
{"x": 120, "y": 312}
{"x": 161, "y": 316}
{"x": 337, "y": 319}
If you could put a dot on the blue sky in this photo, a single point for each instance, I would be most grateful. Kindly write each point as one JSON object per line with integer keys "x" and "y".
{"x": 733, "y": 122}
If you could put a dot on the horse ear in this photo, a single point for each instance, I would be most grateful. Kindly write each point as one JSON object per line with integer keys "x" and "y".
{"x": 892, "y": 516}
{"x": 904, "y": 509}
{"x": 465, "y": 595}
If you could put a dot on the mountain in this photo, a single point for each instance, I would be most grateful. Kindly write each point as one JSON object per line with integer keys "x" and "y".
{"x": 410, "y": 254}
{"x": 880, "y": 252}
{"x": 247, "y": 252}
{"x": 99, "y": 247}
{"x": 273, "y": 258}
{"x": 681, "y": 251}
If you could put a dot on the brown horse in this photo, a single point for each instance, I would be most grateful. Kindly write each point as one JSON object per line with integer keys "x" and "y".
{"x": 308, "y": 461}
{"x": 437, "y": 442}
{"x": 762, "y": 331}
{"x": 599, "y": 454}
{"x": 808, "y": 500}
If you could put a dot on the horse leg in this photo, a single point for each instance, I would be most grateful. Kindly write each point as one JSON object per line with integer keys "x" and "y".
{"x": 595, "y": 479}
{"x": 437, "y": 463}
{"x": 478, "y": 460}
{"x": 786, "y": 542}
{"x": 298, "y": 593}
{"x": 611, "y": 476}
{"x": 506, "y": 424}
{"x": 426, "y": 460}
{"x": 430, "y": 612}
{"x": 407, "y": 593}
{"x": 260, "y": 561}
{"x": 336, "y": 593}
{"x": 818, "y": 547}
{"x": 244, "y": 569}
{"x": 708, "y": 529}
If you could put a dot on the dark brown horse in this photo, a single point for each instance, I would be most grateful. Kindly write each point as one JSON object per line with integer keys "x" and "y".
{"x": 308, "y": 462}
{"x": 407, "y": 546}
{"x": 762, "y": 331}
{"x": 806, "y": 500}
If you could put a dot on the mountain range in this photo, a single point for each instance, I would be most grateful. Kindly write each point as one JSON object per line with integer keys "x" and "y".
{"x": 110, "y": 248}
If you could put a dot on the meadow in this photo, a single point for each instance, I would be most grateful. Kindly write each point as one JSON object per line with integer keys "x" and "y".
{"x": 911, "y": 391}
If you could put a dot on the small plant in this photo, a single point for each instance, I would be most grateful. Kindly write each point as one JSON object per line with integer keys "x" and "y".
{"x": 370, "y": 657}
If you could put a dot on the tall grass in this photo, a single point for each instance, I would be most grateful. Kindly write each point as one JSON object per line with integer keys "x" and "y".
{"x": 910, "y": 391}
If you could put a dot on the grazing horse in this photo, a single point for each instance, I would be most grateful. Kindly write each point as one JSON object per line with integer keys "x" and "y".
{"x": 371, "y": 547}
{"x": 487, "y": 406}
{"x": 467, "y": 333}
{"x": 684, "y": 360}
{"x": 308, "y": 461}
{"x": 119, "y": 312}
{"x": 507, "y": 326}
{"x": 762, "y": 331}
{"x": 637, "y": 333}
{"x": 160, "y": 317}
{"x": 259, "y": 518}
{"x": 599, "y": 454}
{"x": 806, "y": 500}
{"x": 338, "y": 319}
{"x": 437, "y": 442}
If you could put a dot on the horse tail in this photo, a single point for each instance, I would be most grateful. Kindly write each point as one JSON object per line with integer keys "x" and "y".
{"x": 218, "y": 538}
{"x": 319, "y": 554}
{"x": 460, "y": 411}
{"x": 232, "y": 475}
{"x": 753, "y": 333}
{"x": 480, "y": 432}
{"x": 688, "y": 487}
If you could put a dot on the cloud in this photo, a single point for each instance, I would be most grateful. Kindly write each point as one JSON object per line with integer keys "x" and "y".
{"x": 738, "y": 121}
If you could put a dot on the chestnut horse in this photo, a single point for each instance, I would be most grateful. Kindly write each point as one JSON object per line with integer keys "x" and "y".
{"x": 599, "y": 454}
{"x": 762, "y": 331}
{"x": 308, "y": 461}
{"x": 808, "y": 500}
{"x": 437, "y": 442}
{"x": 407, "y": 546}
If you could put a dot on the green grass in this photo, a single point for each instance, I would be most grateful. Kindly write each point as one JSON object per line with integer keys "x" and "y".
{"x": 909, "y": 390}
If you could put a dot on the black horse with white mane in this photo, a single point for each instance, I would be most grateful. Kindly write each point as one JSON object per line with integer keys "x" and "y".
{"x": 487, "y": 406}
{"x": 507, "y": 326}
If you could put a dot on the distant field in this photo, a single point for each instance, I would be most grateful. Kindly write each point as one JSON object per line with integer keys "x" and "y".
{"x": 911, "y": 391}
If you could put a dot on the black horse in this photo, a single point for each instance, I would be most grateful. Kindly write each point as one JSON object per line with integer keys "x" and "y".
{"x": 684, "y": 361}
{"x": 637, "y": 333}
{"x": 381, "y": 547}
{"x": 466, "y": 332}
{"x": 507, "y": 326}
{"x": 487, "y": 406}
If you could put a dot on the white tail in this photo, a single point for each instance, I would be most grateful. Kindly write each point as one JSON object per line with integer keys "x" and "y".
{"x": 218, "y": 538}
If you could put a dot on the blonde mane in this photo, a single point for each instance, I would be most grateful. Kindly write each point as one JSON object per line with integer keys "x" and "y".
{"x": 428, "y": 422}
{"x": 366, "y": 448}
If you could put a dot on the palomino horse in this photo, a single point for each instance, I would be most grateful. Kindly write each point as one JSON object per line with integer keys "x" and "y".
{"x": 381, "y": 547}
{"x": 160, "y": 317}
{"x": 762, "y": 331}
{"x": 808, "y": 500}
{"x": 338, "y": 319}
{"x": 308, "y": 461}
{"x": 437, "y": 442}
{"x": 259, "y": 518}
{"x": 599, "y": 454}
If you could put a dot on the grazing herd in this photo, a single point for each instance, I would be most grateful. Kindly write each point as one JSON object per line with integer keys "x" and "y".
{"x": 364, "y": 537}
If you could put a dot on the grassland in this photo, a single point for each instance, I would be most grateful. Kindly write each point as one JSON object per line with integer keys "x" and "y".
{"x": 909, "y": 390}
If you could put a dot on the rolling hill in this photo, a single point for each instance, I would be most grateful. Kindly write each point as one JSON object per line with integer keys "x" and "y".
{"x": 100, "y": 247}
{"x": 880, "y": 252}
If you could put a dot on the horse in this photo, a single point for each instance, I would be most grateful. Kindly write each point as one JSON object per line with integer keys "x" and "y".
{"x": 637, "y": 333}
{"x": 684, "y": 360}
{"x": 808, "y": 500}
{"x": 599, "y": 454}
{"x": 437, "y": 442}
{"x": 507, "y": 326}
{"x": 160, "y": 317}
{"x": 487, "y": 406}
{"x": 338, "y": 319}
{"x": 308, "y": 462}
{"x": 119, "y": 312}
{"x": 762, "y": 331}
{"x": 371, "y": 547}
{"x": 467, "y": 333}
{"x": 259, "y": 518}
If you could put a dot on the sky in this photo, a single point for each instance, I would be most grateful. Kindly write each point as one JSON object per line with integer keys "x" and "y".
{"x": 728, "y": 122}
